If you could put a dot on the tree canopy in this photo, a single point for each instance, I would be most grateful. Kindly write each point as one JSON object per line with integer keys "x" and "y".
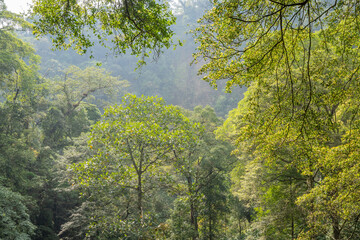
{"x": 244, "y": 40}
{"x": 300, "y": 62}
{"x": 300, "y": 132}
{"x": 141, "y": 26}
{"x": 133, "y": 144}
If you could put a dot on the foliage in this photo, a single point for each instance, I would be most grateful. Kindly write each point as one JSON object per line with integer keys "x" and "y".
{"x": 71, "y": 112}
{"x": 179, "y": 223}
{"x": 141, "y": 26}
{"x": 155, "y": 171}
{"x": 77, "y": 85}
{"x": 133, "y": 144}
{"x": 244, "y": 40}
{"x": 299, "y": 112}
{"x": 202, "y": 180}
{"x": 14, "y": 218}
{"x": 171, "y": 76}
{"x": 283, "y": 131}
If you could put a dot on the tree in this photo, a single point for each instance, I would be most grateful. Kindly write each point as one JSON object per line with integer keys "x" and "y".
{"x": 71, "y": 111}
{"x": 133, "y": 143}
{"x": 69, "y": 114}
{"x": 202, "y": 180}
{"x": 301, "y": 61}
{"x": 283, "y": 136}
{"x": 141, "y": 26}
{"x": 92, "y": 84}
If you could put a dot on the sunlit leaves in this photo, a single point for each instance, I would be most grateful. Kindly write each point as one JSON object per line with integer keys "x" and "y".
{"x": 133, "y": 144}
{"x": 303, "y": 118}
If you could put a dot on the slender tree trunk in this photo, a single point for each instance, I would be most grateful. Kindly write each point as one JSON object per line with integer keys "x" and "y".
{"x": 292, "y": 199}
{"x": 140, "y": 191}
{"x": 336, "y": 228}
{"x": 194, "y": 219}
{"x": 140, "y": 207}
{"x": 292, "y": 227}
{"x": 139, "y": 188}
{"x": 193, "y": 215}
{"x": 240, "y": 230}
{"x": 210, "y": 224}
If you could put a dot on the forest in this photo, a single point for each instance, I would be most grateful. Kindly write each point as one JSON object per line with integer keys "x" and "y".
{"x": 180, "y": 120}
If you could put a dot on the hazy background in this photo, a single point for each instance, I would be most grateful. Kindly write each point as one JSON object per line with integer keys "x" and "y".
{"x": 17, "y": 6}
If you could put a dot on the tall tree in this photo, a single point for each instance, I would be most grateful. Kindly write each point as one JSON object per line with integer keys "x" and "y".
{"x": 301, "y": 60}
{"x": 71, "y": 112}
{"x": 280, "y": 135}
{"x": 203, "y": 181}
{"x": 133, "y": 144}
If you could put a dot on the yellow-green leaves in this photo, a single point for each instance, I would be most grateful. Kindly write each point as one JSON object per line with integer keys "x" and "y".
{"x": 133, "y": 145}
{"x": 299, "y": 120}
{"x": 243, "y": 40}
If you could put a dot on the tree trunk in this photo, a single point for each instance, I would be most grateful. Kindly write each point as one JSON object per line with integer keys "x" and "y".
{"x": 336, "y": 228}
{"x": 139, "y": 189}
{"x": 210, "y": 223}
{"x": 240, "y": 230}
{"x": 193, "y": 214}
{"x": 140, "y": 208}
{"x": 292, "y": 227}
